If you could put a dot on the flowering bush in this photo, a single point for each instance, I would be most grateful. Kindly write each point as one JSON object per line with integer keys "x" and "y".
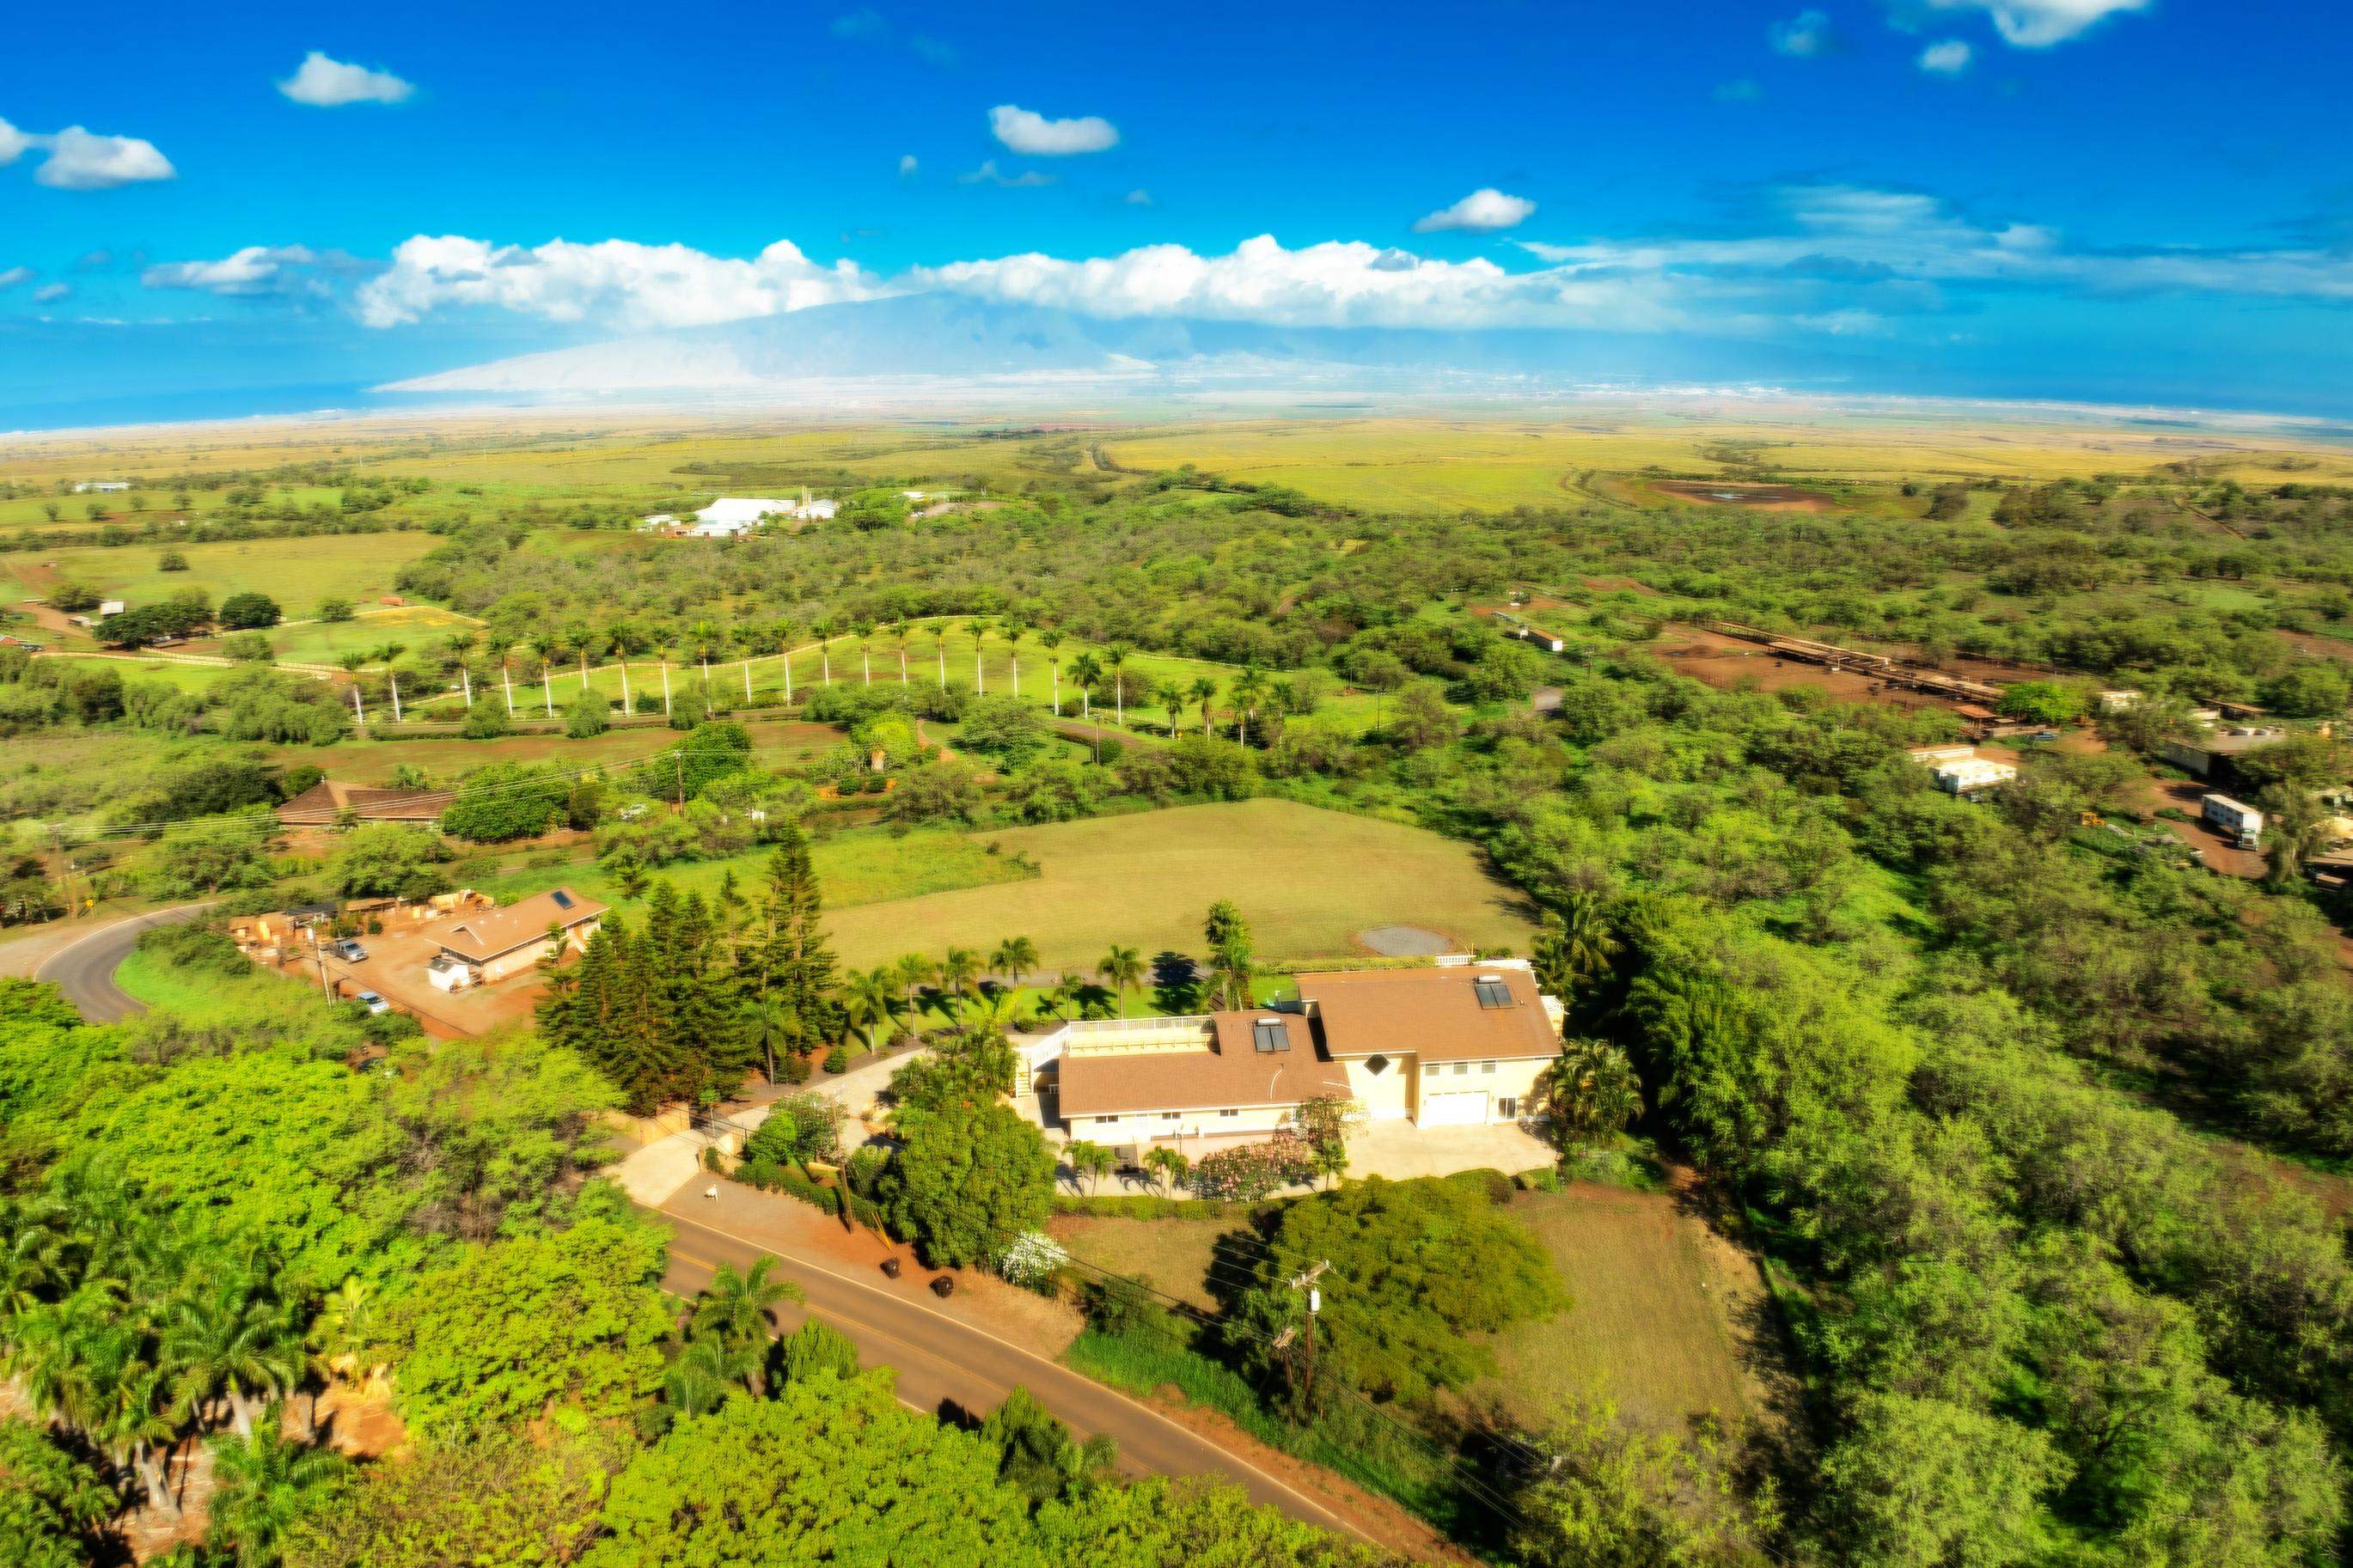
{"x": 1251, "y": 1171}
{"x": 1030, "y": 1258}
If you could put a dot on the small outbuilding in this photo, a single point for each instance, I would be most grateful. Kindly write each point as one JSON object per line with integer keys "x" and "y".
{"x": 484, "y": 946}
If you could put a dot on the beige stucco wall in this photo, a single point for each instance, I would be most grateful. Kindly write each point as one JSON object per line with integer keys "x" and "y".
{"x": 1192, "y": 1132}
{"x": 528, "y": 955}
{"x": 1515, "y": 1080}
{"x": 1387, "y": 1096}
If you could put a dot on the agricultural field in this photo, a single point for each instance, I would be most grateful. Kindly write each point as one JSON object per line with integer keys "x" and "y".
{"x": 297, "y": 572}
{"x": 1309, "y": 882}
{"x": 312, "y": 641}
{"x": 1428, "y": 464}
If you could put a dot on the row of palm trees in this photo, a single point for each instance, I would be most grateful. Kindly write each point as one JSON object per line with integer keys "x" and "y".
{"x": 699, "y": 641}
{"x": 123, "y": 1330}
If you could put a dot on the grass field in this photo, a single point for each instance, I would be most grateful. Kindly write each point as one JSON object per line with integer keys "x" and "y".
{"x": 297, "y": 572}
{"x": 1174, "y": 1255}
{"x": 864, "y": 866}
{"x": 1663, "y": 1319}
{"x": 185, "y": 677}
{"x": 414, "y": 626}
{"x": 1307, "y": 880}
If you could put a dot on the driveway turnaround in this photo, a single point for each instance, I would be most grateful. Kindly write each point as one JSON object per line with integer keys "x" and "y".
{"x": 84, "y": 968}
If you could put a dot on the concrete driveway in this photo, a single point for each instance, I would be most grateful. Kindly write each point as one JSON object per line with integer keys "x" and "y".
{"x": 1400, "y": 1150}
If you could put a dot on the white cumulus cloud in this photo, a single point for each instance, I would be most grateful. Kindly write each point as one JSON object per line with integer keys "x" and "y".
{"x": 257, "y": 271}
{"x": 12, "y": 143}
{"x": 1026, "y": 132}
{"x": 1948, "y": 58}
{"x": 50, "y": 293}
{"x": 325, "y": 82}
{"x": 1802, "y": 36}
{"x": 16, "y": 275}
{"x": 1481, "y": 212}
{"x": 988, "y": 173}
{"x": 2039, "y": 23}
{"x": 907, "y": 164}
{"x": 81, "y": 159}
{"x": 617, "y": 282}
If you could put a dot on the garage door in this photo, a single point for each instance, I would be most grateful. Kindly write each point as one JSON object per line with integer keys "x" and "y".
{"x": 1457, "y": 1110}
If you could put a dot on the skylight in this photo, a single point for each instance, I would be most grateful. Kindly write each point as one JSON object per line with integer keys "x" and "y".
{"x": 1493, "y": 992}
{"x": 1269, "y": 1034}
{"x": 562, "y": 899}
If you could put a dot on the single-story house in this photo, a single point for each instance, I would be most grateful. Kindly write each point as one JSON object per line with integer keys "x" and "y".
{"x": 486, "y": 945}
{"x": 1967, "y": 776}
{"x": 2214, "y": 747}
{"x": 732, "y": 515}
{"x": 110, "y": 608}
{"x": 104, "y": 487}
{"x": 1444, "y": 1046}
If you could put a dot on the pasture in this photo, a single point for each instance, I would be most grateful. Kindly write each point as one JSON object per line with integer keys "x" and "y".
{"x": 297, "y": 572}
{"x": 861, "y": 867}
{"x": 1308, "y": 881}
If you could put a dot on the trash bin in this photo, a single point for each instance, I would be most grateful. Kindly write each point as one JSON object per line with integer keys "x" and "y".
{"x": 891, "y": 1267}
{"x": 944, "y": 1287}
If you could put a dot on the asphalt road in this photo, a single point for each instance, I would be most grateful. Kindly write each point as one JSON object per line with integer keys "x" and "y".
{"x": 946, "y": 1365}
{"x": 84, "y": 968}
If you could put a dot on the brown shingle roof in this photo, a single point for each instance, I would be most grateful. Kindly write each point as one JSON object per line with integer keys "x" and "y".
{"x": 484, "y": 934}
{"x": 1228, "y": 1074}
{"x": 1432, "y": 1013}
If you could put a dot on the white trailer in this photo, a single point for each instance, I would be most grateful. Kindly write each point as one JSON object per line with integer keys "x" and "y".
{"x": 2244, "y": 822}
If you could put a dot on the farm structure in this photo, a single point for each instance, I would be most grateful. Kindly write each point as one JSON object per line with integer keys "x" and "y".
{"x": 1979, "y": 694}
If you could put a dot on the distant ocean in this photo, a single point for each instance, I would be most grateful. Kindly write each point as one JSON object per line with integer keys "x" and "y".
{"x": 234, "y": 403}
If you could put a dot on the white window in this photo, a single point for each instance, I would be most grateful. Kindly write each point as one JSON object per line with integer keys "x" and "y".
{"x": 1461, "y": 1070}
{"x": 1507, "y": 1108}
{"x": 1171, "y": 1115}
{"x": 1106, "y": 1121}
{"x": 1229, "y": 1113}
{"x": 1486, "y": 1066}
{"x": 1376, "y": 1065}
{"x": 1430, "y": 1070}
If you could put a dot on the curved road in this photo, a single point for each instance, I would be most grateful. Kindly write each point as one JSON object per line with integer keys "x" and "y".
{"x": 944, "y": 1364}
{"x": 84, "y": 968}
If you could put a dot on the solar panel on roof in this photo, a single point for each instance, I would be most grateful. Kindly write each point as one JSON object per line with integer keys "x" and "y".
{"x": 1269, "y": 1034}
{"x": 1493, "y": 992}
{"x": 562, "y": 899}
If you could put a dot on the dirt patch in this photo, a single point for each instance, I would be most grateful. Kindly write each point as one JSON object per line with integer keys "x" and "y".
{"x": 1618, "y": 586}
{"x": 1756, "y": 498}
{"x": 1405, "y": 942}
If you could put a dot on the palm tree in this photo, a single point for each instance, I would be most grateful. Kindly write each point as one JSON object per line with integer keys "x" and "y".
{"x": 782, "y": 631}
{"x": 959, "y": 971}
{"x": 141, "y": 1426}
{"x": 1014, "y": 957}
{"x": 1205, "y": 691}
{"x": 766, "y": 1019}
{"x": 1015, "y": 630}
{"x": 738, "y": 1309}
{"x": 1117, "y": 659}
{"x": 704, "y": 635}
{"x": 913, "y": 973}
{"x": 870, "y": 1000}
{"x": 1170, "y": 695}
{"x": 900, "y": 632}
{"x": 262, "y": 1485}
{"x": 1576, "y": 943}
{"x": 1053, "y": 641}
{"x": 1091, "y": 1161}
{"x": 940, "y": 651}
{"x": 1064, "y": 994}
{"x": 1591, "y": 1092}
{"x": 1086, "y": 669}
{"x": 231, "y": 1339}
{"x": 865, "y": 630}
{"x": 621, "y": 637}
{"x": 1122, "y": 968}
{"x": 700, "y": 1378}
{"x": 1169, "y": 1164}
{"x": 979, "y": 630}
{"x": 1249, "y": 687}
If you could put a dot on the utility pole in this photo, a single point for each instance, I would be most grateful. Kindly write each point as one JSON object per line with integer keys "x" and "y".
{"x": 677, "y": 767}
{"x": 1305, "y": 1280}
{"x": 506, "y": 679}
{"x": 546, "y": 688}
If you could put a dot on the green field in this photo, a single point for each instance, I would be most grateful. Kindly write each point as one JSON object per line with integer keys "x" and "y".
{"x": 297, "y": 572}
{"x": 413, "y": 627}
{"x": 1308, "y": 881}
{"x": 185, "y": 677}
{"x": 862, "y": 867}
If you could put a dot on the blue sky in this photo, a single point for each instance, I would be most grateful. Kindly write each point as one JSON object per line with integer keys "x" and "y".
{"x": 2143, "y": 201}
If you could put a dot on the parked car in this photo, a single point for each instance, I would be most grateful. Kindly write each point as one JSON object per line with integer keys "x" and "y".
{"x": 347, "y": 950}
{"x": 372, "y": 1003}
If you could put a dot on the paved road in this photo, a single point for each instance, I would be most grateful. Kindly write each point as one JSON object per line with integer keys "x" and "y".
{"x": 84, "y": 968}
{"x": 945, "y": 1362}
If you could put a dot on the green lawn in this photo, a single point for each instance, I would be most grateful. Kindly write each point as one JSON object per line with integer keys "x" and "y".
{"x": 185, "y": 677}
{"x": 862, "y": 867}
{"x": 413, "y": 627}
{"x": 1308, "y": 880}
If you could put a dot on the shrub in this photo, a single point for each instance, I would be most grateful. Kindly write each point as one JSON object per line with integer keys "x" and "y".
{"x": 838, "y": 1059}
